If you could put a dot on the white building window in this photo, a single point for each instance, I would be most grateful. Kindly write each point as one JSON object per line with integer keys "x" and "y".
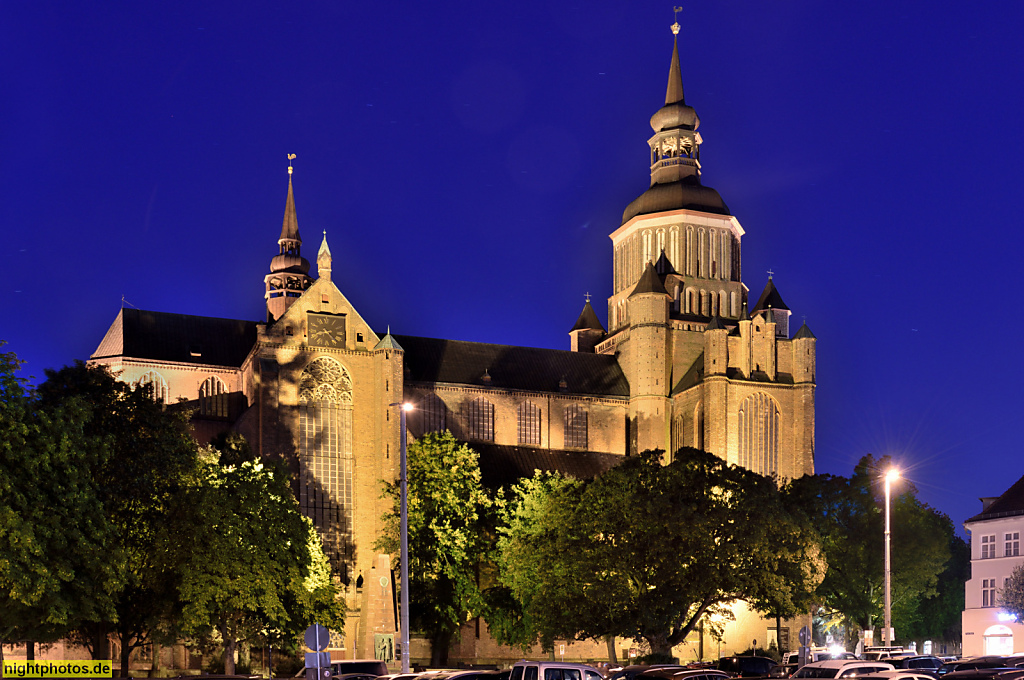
{"x": 1012, "y": 545}
{"x": 988, "y": 546}
{"x": 988, "y": 592}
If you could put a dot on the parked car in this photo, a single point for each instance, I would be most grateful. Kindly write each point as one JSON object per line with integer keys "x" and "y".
{"x": 841, "y": 668}
{"x": 783, "y": 670}
{"x": 747, "y": 666}
{"x": 818, "y": 654}
{"x": 898, "y": 674}
{"x": 923, "y": 662}
{"x": 553, "y": 670}
{"x": 630, "y": 672}
{"x": 980, "y": 663}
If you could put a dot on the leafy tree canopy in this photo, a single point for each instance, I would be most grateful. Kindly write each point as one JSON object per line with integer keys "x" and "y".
{"x": 645, "y": 550}
{"x": 448, "y": 538}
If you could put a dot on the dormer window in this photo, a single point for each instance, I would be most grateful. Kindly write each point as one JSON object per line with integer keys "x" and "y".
{"x": 195, "y": 351}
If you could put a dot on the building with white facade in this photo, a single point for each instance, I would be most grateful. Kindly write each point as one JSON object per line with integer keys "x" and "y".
{"x": 995, "y": 553}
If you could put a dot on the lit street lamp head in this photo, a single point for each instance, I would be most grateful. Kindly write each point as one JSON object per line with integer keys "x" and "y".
{"x": 408, "y": 407}
{"x": 892, "y": 475}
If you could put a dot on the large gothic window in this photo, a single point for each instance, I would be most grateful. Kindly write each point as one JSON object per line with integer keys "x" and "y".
{"x": 575, "y": 427}
{"x": 432, "y": 413}
{"x": 325, "y": 455}
{"x": 759, "y": 434}
{"x": 157, "y": 386}
{"x": 479, "y": 418}
{"x": 213, "y": 398}
{"x": 528, "y": 419}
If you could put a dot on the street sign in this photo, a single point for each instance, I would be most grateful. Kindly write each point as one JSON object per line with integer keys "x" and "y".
{"x": 318, "y": 659}
{"x": 805, "y": 636}
{"x": 317, "y": 638}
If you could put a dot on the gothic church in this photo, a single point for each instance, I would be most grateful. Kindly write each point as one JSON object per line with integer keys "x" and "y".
{"x": 687, "y": 360}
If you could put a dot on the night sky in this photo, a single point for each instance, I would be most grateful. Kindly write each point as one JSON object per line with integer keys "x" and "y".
{"x": 468, "y": 161}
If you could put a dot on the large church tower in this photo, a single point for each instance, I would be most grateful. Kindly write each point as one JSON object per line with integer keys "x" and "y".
{"x": 703, "y": 369}
{"x": 289, "y": 271}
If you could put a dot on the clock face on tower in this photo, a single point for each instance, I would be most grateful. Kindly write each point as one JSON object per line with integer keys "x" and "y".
{"x": 326, "y": 330}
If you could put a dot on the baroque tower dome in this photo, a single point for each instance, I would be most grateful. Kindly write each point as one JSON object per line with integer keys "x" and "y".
{"x": 675, "y": 155}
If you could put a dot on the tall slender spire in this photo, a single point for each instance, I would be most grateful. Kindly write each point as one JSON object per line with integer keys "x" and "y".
{"x": 674, "y": 92}
{"x": 290, "y": 227}
{"x": 289, "y": 271}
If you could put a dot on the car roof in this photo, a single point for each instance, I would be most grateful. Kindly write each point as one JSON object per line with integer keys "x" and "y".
{"x": 843, "y": 663}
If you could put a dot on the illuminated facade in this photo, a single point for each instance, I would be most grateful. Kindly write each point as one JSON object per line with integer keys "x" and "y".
{"x": 686, "y": 361}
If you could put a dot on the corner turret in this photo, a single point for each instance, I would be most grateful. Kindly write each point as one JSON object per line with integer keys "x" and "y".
{"x": 588, "y": 330}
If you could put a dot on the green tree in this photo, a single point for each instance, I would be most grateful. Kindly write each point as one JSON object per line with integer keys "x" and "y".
{"x": 448, "y": 536}
{"x": 142, "y": 456}
{"x": 848, "y": 514}
{"x": 54, "y": 536}
{"x": 646, "y": 550}
{"x": 252, "y": 567}
{"x": 1011, "y": 597}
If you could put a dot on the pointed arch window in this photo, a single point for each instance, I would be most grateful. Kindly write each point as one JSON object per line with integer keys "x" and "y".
{"x": 325, "y": 456}
{"x": 575, "y": 427}
{"x": 759, "y": 434}
{"x": 479, "y": 418}
{"x": 213, "y": 398}
{"x": 155, "y": 383}
{"x": 528, "y": 423}
{"x": 433, "y": 413}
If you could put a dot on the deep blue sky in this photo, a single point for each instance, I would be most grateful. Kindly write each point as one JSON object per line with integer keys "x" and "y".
{"x": 468, "y": 161}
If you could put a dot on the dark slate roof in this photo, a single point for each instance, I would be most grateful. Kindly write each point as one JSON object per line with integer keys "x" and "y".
{"x": 182, "y": 338}
{"x": 517, "y": 368}
{"x": 687, "y": 194}
{"x": 649, "y": 282}
{"x": 716, "y": 324}
{"x": 502, "y": 465}
{"x": 804, "y": 332}
{"x": 769, "y": 298}
{"x": 1009, "y": 504}
{"x": 588, "y": 320}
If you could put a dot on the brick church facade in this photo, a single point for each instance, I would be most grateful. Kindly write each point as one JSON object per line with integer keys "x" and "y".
{"x": 686, "y": 360}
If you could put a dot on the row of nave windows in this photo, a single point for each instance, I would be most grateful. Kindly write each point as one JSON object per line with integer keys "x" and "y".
{"x": 213, "y": 393}
{"x": 476, "y": 421}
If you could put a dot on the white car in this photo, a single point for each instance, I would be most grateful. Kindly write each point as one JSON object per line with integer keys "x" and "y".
{"x": 842, "y": 668}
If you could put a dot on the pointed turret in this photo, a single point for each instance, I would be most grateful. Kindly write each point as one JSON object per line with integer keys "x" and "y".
{"x": 774, "y": 309}
{"x": 649, "y": 282}
{"x": 588, "y": 331}
{"x": 323, "y": 260}
{"x": 289, "y": 271}
{"x": 388, "y": 342}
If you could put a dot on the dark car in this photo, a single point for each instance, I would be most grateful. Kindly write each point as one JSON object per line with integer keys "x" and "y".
{"x": 981, "y": 663}
{"x": 925, "y": 662}
{"x": 630, "y": 672}
{"x": 747, "y": 666}
{"x": 783, "y": 670}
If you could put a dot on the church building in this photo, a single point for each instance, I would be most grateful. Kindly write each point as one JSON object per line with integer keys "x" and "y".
{"x": 687, "y": 359}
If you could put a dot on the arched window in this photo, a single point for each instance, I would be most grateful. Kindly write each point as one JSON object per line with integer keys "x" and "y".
{"x": 325, "y": 456}
{"x": 528, "y": 420}
{"x": 213, "y": 398}
{"x": 575, "y": 427}
{"x": 479, "y": 418}
{"x": 998, "y": 640}
{"x": 433, "y": 413}
{"x": 698, "y": 426}
{"x": 759, "y": 434}
{"x": 157, "y": 386}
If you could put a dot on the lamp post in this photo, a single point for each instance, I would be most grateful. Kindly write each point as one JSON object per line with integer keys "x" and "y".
{"x": 404, "y": 530}
{"x": 891, "y": 476}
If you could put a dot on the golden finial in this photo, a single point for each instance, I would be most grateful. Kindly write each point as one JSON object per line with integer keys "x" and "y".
{"x": 675, "y": 26}
{"x": 291, "y": 157}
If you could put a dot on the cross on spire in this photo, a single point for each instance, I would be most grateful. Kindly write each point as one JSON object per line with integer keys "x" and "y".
{"x": 587, "y": 296}
{"x": 770, "y": 273}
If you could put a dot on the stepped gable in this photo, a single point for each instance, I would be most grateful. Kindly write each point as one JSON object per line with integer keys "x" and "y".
{"x": 532, "y": 369}
{"x": 182, "y": 338}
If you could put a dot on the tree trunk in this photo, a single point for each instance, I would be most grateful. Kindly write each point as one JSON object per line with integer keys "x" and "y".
{"x": 778, "y": 634}
{"x": 439, "y": 645}
{"x": 229, "y": 655}
{"x": 659, "y": 643}
{"x": 30, "y": 650}
{"x": 612, "y": 658}
{"x": 126, "y": 654}
{"x": 156, "y": 659}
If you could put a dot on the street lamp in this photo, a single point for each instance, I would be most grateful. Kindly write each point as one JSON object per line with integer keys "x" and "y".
{"x": 891, "y": 476}
{"x": 404, "y": 530}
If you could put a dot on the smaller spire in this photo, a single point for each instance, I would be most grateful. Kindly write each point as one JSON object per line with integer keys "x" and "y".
{"x": 324, "y": 260}
{"x": 649, "y": 282}
{"x": 674, "y": 93}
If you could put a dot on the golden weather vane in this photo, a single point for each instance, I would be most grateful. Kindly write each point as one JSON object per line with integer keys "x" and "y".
{"x": 675, "y": 26}
{"x": 291, "y": 157}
